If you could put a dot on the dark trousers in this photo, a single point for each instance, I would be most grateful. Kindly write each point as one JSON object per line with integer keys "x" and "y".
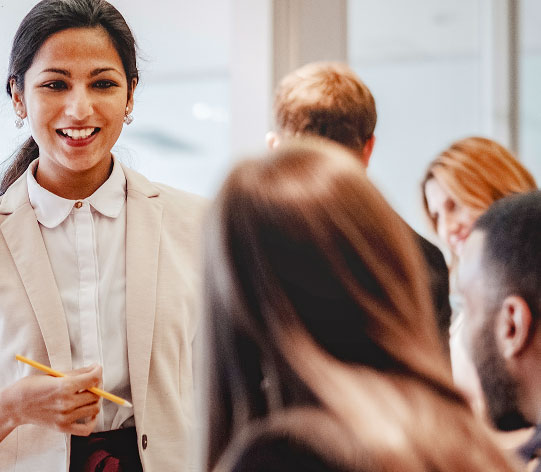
{"x": 109, "y": 451}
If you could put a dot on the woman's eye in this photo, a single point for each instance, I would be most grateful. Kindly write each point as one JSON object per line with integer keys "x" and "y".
{"x": 105, "y": 84}
{"x": 55, "y": 85}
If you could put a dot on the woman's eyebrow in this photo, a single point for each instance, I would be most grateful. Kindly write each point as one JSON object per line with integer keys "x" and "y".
{"x": 57, "y": 71}
{"x": 103, "y": 69}
{"x": 93, "y": 73}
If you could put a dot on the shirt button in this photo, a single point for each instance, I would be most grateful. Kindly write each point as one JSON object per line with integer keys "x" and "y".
{"x": 144, "y": 441}
{"x": 78, "y": 205}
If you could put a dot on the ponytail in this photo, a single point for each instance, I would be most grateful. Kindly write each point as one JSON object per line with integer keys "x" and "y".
{"x": 28, "y": 152}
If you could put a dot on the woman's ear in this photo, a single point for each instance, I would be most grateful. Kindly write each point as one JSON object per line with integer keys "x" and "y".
{"x": 514, "y": 326}
{"x": 129, "y": 104}
{"x": 17, "y": 99}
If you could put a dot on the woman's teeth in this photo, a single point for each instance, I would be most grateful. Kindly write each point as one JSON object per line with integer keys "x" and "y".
{"x": 77, "y": 133}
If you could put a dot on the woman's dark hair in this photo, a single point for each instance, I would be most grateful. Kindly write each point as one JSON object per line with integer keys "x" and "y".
{"x": 45, "y": 19}
{"x": 317, "y": 295}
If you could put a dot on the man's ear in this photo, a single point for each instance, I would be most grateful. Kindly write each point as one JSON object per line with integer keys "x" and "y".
{"x": 514, "y": 328}
{"x": 17, "y": 100}
{"x": 272, "y": 139}
{"x": 367, "y": 150}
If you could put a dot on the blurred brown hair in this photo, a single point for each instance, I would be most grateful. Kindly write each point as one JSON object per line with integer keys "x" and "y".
{"x": 477, "y": 172}
{"x": 317, "y": 295}
{"x": 326, "y": 99}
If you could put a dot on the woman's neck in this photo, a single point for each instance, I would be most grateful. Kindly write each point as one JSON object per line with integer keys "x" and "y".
{"x": 73, "y": 185}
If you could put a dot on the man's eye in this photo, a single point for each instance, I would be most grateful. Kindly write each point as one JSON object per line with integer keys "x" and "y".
{"x": 105, "y": 84}
{"x": 55, "y": 85}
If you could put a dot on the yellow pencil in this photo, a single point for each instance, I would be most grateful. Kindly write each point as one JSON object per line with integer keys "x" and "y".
{"x": 55, "y": 373}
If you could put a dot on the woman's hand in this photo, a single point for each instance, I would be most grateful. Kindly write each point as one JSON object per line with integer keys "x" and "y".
{"x": 60, "y": 403}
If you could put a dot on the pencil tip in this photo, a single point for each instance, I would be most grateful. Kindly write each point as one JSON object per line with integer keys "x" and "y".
{"x": 127, "y": 404}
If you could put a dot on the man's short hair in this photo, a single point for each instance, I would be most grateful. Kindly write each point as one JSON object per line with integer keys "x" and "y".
{"x": 512, "y": 248}
{"x": 326, "y": 99}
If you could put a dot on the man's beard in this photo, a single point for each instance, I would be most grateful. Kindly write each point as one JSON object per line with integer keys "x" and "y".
{"x": 500, "y": 389}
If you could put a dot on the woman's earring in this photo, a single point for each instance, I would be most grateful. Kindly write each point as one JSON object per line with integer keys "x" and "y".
{"x": 128, "y": 117}
{"x": 19, "y": 123}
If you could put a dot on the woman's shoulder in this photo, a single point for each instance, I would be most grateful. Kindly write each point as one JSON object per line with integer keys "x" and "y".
{"x": 301, "y": 439}
{"x": 168, "y": 196}
{"x": 174, "y": 196}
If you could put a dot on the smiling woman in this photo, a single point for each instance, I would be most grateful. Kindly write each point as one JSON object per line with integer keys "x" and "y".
{"x": 464, "y": 180}
{"x": 75, "y": 97}
{"x": 100, "y": 264}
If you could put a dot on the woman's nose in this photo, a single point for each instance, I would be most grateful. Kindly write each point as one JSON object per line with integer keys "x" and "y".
{"x": 448, "y": 225}
{"x": 79, "y": 104}
{"x": 453, "y": 224}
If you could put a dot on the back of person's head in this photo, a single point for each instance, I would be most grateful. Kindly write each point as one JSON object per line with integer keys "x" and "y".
{"x": 326, "y": 99}
{"x": 45, "y": 19}
{"x": 314, "y": 284}
{"x": 477, "y": 171}
{"x": 512, "y": 248}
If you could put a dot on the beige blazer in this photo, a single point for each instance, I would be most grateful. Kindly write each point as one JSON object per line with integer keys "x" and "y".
{"x": 162, "y": 309}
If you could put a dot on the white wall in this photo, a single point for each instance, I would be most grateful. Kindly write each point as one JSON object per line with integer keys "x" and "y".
{"x": 530, "y": 81}
{"x": 439, "y": 71}
{"x": 421, "y": 61}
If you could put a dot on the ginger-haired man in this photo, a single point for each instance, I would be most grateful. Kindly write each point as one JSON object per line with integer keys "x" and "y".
{"x": 329, "y": 100}
{"x": 326, "y": 99}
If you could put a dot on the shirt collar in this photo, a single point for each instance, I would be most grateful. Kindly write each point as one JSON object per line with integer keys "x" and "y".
{"x": 51, "y": 210}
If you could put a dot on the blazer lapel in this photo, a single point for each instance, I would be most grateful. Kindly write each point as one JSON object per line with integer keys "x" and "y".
{"x": 144, "y": 216}
{"x": 23, "y": 238}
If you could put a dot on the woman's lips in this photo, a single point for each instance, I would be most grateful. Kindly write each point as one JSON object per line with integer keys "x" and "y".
{"x": 78, "y": 137}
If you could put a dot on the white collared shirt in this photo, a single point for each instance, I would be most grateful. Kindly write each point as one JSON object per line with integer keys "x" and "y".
{"x": 85, "y": 240}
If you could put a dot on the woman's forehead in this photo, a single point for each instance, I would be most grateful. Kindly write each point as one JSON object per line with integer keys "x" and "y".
{"x": 86, "y": 48}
